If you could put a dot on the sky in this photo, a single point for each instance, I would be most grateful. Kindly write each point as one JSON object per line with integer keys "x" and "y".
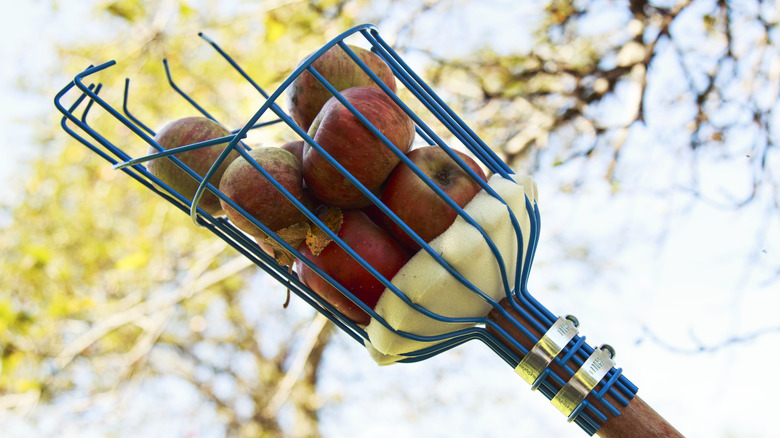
{"x": 26, "y": 46}
{"x": 685, "y": 296}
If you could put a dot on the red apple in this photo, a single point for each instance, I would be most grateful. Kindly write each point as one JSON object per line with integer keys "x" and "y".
{"x": 248, "y": 188}
{"x": 369, "y": 241}
{"x": 306, "y": 95}
{"x": 296, "y": 148}
{"x": 416, "y": 204}
{"x": 354, "y": 146}
{"x": 183, "y": 132}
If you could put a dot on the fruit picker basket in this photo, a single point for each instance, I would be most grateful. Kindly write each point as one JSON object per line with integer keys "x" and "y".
{"x": 427, "y": 294}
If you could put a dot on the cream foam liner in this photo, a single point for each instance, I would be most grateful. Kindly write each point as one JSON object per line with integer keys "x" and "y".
{"x": 430, "y": 285}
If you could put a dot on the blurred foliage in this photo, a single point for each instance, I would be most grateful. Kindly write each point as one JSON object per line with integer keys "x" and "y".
{"x": 103, "y": 277}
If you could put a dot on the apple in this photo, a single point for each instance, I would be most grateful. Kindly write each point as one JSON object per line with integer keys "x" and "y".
{"x": 309, "y": 200}
{"x": 266, "y": 247}
{"x": 416, "y": 204}
{"x": 296, "y": 147}
{"x": 306, "y": 95}
{"x": 378, "y": 248}
{"x": 183, "y": 132}
{"x": 344, "y": 137}
{"x": 248, "y": 188}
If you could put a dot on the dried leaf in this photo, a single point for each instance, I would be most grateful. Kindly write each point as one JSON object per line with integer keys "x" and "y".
{"x": 294, "y": 235}
{"x": 287, "y": 301}
{"x": 317, "y": 239}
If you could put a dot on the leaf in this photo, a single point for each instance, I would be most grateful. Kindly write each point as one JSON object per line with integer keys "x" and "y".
{"x": 133, "y": 260}
{"x": 294, "y": 235}
{"x": 318, "y": 239}
{"x": 7, "y": 314}
{"x": 128, "y": 10}
{"x": 186, "y": 11}
{"x": 274, "y": 28}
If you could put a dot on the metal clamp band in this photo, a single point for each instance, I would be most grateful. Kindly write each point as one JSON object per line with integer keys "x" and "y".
{"x": 569, "y": 398}
{"x": 539, "y": 357}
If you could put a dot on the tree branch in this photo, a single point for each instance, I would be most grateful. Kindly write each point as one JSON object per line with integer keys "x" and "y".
{"x": 198, "y": 280}
{"x": 293, "y": 374}
{"x": 701, "y": 348}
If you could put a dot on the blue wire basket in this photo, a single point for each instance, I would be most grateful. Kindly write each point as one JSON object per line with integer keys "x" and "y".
{"x": 518, "y": 328}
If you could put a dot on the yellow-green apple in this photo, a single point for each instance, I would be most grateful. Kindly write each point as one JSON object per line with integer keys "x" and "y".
{"x": 378, "y": 248}
{"x": 306, "y": 95}
{"x": 416, "y": 204}
{"x": 183, "y": 132}
{"x": 254, "y": 193}
{"x": 344, "y": 137}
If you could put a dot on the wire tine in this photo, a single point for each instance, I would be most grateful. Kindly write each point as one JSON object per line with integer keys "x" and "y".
{"x": 127, "y": 112}
{"x": 90, "y": 102}
{"x": 207, "y": 177}
{"x": 437, "y": 107}
{"x": 476, "y": 333}
{"x": 233, "y": 63}
{"x": 77, "y": 81}
{"x": 246, "y": 76}
{"x": 173, "y": 151}
{"x": 182, "y": 93}
{"x": 261, "y": 125}
{"x": 68, "y": 115}
{"x": 421, "y": 127}
{"x": 460, "y": 125}
{"x": 75, "y": 104}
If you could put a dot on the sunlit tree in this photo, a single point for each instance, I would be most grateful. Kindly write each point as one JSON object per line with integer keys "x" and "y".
{"x": 102, "y": 278}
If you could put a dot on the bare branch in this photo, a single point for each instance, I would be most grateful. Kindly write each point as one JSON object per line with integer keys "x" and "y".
{"x": 199, "y": 279}
{"x": 701, "y": 348}
{"x": 284, "y": 388}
